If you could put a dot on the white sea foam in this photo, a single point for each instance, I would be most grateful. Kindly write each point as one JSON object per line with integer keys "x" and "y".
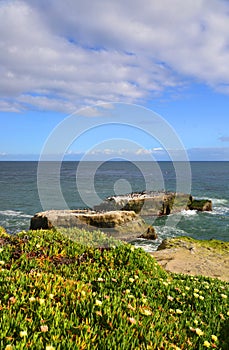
{"x": 163, "y": 232}
{"x": 146, "y": 247}
{"x": 220, "y": 211}
{"x": 14, "y": 213}
{"x": 188, "y": 212}
{"x": 219, "y": 201}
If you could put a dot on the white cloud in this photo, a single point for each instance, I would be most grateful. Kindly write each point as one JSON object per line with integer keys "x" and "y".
{"x": 62, "y": 55}
{"x": 8, "y": 106}
{"x": 142, "y": 151}
{"x": 157, "y": 149}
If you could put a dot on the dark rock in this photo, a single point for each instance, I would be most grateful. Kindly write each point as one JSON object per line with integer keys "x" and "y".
{"x": 200, "y": 205}
{"x": 149, "y": 234}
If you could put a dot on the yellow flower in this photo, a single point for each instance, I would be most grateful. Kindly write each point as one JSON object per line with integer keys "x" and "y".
{"x": 224, "y": 296}
{"x": 201, "y": 297}
{"x": 199, "y": 332}
{"x": 41, "y": 301}
{"x": 23, "y": 334}
{"x": 207, "y": 344}
{"x": 146, "y": 312}
{"x": 83, "y": 293}
{"x": 98, "y": 302}
{"x": 196, "y": 295}
{"x": 132, "y": 320}
{"x": 51, "y": 296}
{"x": 9, "y": 347}
{"x": 196, "y": 290}
{"x": 227, "y": 313}
{"x": 100, "y": 279}
{"x": 196, "y": 322}
{"x": 44, "y": 328}
{"x": 170, "y": 298}
{"x": 178, "y": 311}
{"x": 214, "y": 337}
{"x": 49, "y": 347}
{"x": 131, "y": 279}
{"x": 187, "y": 288}
{"x": 131, "y": 307}
{"x": 32, "y": 299}
{"x": 127, "y": 291}
{"x": 2, "y": 262}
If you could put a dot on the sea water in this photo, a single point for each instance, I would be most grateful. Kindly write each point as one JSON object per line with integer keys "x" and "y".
{"x": 19, "y": 193}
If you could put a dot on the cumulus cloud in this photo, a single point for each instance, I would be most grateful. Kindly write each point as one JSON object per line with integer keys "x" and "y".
{"x": 62, "y": 55}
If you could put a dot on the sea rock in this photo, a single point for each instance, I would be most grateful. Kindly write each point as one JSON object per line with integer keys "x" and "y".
{"x": 124, "y": 225}
{"x": 200, "y": 205}
{"x": 154, "y": 203}
{"x": 150, "y": 233}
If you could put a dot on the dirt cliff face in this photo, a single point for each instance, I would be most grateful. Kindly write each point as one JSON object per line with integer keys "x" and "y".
{"x": 188, "y": 256}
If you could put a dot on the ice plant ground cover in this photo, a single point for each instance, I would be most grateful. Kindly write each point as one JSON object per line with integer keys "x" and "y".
{"x": 59, "y": 293}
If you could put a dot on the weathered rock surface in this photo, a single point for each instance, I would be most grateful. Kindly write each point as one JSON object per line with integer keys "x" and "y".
{"x": 124, "y": 225}
{"x": 154, "y": 203}
{"x": 194, "y": 257}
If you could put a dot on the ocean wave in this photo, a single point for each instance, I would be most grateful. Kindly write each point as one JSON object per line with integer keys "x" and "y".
{"x": 163, "y": 232}
{"x": 219, "y": 201}
{"x": 169, "y": 231}
{"x": 14, "y": 213}
{"x": 188, "y": 212}
{"x": 147, "y": 246}
{"x": 219, "y": 211}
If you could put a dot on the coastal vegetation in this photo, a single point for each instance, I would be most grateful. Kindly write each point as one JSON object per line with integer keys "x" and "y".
{"x": 72, "y": 289}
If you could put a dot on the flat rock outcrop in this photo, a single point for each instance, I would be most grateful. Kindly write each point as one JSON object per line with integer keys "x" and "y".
{"x": 194, "y": 257}
{"x": 124, "y": 225}
{"x": 154, "y": 203}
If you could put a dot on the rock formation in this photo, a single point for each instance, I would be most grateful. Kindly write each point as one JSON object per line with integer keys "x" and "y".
{"x": 154, "y": 203}
{"x": 200, "y": 205}
{"x": 118, "y": 215}
{"x": 124, "y": 225}
{"x": 150, "y": 233}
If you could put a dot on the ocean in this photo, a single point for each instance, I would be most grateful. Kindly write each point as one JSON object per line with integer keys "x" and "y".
{"x": 83, "y": 185}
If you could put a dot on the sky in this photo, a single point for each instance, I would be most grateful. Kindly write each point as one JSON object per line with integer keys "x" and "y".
{"x": 98, "y": 79}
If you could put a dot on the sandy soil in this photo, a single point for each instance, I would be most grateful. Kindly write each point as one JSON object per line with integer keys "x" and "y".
{"x": 194, "y": 260}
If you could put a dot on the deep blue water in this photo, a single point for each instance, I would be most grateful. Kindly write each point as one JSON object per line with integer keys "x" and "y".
{"x": 20, "y": 198}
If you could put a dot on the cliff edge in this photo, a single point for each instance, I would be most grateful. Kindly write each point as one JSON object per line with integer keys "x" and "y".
{"x": 194, "y": 257}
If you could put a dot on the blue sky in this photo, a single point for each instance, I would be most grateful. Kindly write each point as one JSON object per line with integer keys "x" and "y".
{"x": 109, "y": 63}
